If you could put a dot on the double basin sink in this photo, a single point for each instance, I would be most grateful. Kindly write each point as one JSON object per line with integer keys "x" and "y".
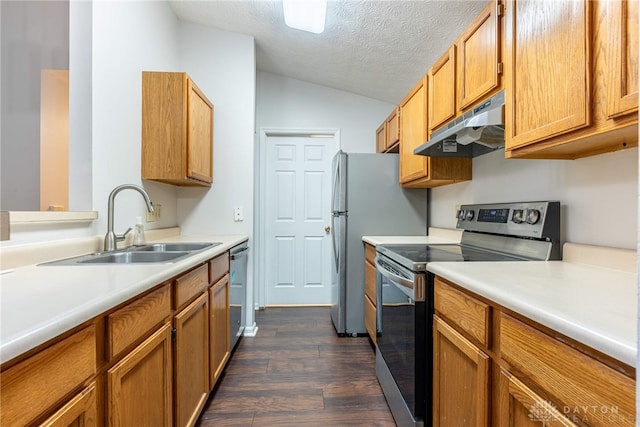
{"x": 147, "y": 254}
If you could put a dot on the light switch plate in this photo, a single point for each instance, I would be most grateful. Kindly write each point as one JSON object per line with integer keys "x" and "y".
{"x": 237, "y": 214}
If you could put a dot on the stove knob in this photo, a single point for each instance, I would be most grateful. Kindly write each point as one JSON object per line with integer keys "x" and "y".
{"x": 460, "y": 214}
{"x": 518, "y": 216}
{"x": 469, "y": 215}
{"x": 533, "y": 215}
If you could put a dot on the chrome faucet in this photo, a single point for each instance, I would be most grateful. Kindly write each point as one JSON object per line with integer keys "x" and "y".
{"x": 111, "y": 237}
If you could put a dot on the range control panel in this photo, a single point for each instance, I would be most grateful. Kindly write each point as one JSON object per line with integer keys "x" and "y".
{"x": 539, "y": 220}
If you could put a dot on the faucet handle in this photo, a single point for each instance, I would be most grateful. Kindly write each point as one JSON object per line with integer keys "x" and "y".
{"x": 121, "y": 237}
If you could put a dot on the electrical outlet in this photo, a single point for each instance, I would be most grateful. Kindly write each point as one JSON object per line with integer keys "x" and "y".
{"x": 156, "y": 215}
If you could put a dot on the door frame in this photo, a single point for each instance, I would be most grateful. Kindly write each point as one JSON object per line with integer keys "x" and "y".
{"x": 260, "y": 238}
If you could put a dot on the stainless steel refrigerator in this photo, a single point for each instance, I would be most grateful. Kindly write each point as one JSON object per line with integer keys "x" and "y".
{"x": 366, "y": 200}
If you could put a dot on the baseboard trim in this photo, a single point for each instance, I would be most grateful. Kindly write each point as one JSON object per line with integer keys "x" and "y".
{"x": 250, "y": 331}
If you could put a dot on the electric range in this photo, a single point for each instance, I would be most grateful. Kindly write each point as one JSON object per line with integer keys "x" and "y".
{"x": 526, "y": 231}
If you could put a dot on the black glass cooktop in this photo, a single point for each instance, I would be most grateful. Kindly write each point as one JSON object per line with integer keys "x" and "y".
{"x": 415, "y": 257}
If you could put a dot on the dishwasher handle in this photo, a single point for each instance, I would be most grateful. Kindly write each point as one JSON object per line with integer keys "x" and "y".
{"x": 239, "y": 254}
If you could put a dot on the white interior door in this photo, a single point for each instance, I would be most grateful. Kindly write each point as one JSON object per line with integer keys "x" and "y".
{"x": 298, "y": 198}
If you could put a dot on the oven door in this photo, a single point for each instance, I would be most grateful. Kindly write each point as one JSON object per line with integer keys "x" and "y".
{"x": 402, "y": 340}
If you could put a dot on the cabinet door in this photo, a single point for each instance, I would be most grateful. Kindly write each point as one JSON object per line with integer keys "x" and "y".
{"x": 199, "y": 135}
{"x": 460, "y": 379}
{"x": 78, "y": 412}
{"x": 521, "y": 407}
{"x": 140, "y": 387}
{"x": 548, "y": 60}
{"x": 219, "y": 324}
{"x": 623, "y": 43}
{"x": 392, "y": 130}
{"x": 413, "y": 132}
{"x": 442, "y": 89}
{"x": 381, "y": 139}
{"x": 479, "y": 56}
{"x": 192, "y": 361}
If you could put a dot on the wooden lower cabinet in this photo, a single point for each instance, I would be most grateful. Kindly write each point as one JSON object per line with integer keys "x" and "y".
{"x": 38, "y": 385}
{"x": 142, "y": 363}
{"x": 494, "y": 367}
{"x": 460, "y": 379}
{"x": 219, "y": 328}
{"x": 191, "y": 361}
{"x": 524, "y": 408}
{"x": 585, "y": 390}
{"x": 139, "y": 387}
{"x": 370, "y": 292}
{"x": 81, "y": 411}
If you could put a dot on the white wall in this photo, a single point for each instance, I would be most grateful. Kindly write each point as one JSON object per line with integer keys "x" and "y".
{"x": 598, "y": 194}
{"x": 128, "y": 37}
{"x": 222, "y": 64}
{"x": 284, "y": 102}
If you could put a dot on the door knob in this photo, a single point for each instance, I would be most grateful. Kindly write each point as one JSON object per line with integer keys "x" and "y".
{"x": 327, "y": 229}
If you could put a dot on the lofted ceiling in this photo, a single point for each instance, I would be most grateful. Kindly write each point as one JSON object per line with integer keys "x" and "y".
{"x": 377, "y": 49}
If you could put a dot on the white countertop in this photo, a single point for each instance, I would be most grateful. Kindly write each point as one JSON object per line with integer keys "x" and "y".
{"x": 436, "y": 235}
{"x": 594, "y": 305}
{"x": 38, "y": 303}
{"x": 590, "y": 297}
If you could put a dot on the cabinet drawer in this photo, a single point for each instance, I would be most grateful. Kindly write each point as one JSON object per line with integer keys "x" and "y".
{"x": 370, "y": 282}
{"x": 36, "y": 384}
{"x": 586, "y": 388}
{"x": 370, "y": 253}
{"x": 370, "y": 318}
{"x": 464, "y": 311}
{"x": 191, "y": 284}
{"x": 135, "y": 320}
{"x": 218, "y": 267}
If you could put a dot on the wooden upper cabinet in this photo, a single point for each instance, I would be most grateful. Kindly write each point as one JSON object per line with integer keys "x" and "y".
{"x": 479, "y": 57}
{"x": 442, "y": 90}
{"x": 571, "y": 73}
{"x": 392, "y": 130}
{"x": 549, "y": 83}
{"x": 381, "y": 138}
{"x": 177, "y": 130}
{"x": 388, "y": 133}
{"x": 623, "y": 39}
{"x": 413, "y": 132}
{"x": 418, "y": 171}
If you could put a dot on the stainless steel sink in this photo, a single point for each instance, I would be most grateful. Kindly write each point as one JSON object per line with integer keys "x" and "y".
{"x": 174, "y": 247}
{"x": 132, "y": 257}
{"x": 149, "y": 254}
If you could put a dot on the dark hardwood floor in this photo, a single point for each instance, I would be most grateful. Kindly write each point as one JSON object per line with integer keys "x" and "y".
{"x": 297, "y": 372}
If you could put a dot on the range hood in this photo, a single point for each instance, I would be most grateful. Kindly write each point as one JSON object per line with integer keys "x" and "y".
{"x": 478, "y": 131}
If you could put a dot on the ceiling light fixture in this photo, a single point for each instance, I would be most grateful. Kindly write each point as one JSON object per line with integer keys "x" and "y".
{"x": 305, "y": 15}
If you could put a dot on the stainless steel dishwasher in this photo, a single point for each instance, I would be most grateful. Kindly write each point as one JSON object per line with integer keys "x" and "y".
{"x": 238, "y": 294}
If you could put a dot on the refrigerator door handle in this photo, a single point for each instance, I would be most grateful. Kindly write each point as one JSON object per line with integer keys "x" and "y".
{"x": 336, "y": 184}
{"x": 333, "y": 239}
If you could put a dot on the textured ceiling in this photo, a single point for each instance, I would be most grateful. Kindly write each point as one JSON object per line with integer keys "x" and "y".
{"x": 377, "y": 49}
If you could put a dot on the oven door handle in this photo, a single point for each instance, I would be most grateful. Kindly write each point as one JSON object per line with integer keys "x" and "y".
{"x": 415, "y": 289}
{"x": 394, "y": 277}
